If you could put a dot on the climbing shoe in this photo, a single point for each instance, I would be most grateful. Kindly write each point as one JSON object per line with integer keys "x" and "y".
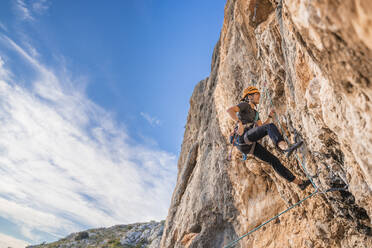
{"x": 304, "y": 184}
{"x": 292, "y": 148}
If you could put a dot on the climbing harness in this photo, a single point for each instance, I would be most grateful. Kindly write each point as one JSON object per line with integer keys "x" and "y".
{"x": 234, "y": 140}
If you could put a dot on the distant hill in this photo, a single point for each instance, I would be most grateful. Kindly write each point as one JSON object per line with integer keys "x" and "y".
{"x": 138, "y": 235}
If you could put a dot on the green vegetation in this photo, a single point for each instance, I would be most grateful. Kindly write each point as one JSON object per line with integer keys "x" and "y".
{"x": 115, "y": 243}
{"x": 138, "y": 245}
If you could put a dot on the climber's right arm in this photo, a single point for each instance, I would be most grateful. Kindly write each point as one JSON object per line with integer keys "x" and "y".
{"x": 232, "y": 112}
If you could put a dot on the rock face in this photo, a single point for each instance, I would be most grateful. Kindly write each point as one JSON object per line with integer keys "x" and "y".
{"x": 139, "y": 235}
{"x": 313, "y": 61}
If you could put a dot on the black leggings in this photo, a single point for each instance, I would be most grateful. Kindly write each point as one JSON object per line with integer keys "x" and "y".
{"x": 257, "y": 133}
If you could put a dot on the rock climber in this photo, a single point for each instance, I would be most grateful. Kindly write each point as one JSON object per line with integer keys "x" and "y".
{"x": 250, "y": 129}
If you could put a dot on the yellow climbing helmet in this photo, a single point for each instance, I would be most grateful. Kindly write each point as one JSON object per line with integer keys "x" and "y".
{"x": 250, "y": 90}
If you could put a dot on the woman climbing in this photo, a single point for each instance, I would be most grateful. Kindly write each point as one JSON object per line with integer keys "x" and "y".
{"x": 250, "y": 129}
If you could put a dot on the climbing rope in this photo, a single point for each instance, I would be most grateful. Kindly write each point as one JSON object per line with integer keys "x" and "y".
{"x": 273, "y": 218}
{"x": 287, "y": 140}
{"x": 301, "y": 162}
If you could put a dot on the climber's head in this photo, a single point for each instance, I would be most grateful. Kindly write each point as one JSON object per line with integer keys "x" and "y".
{"x": 251, "y": 94}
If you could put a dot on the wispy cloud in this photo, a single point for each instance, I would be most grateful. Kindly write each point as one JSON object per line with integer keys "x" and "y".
{"x": 3, "y": 27}
{"x": 152, "y": 120}
{"x": 32, "y": 50}
{"x": 41, "y": 6}
{"x": 66, "y": 163}
{"x": 4, "y": 74}
{"x": 23, "y": 10}
{"x": 8, "y": 241}
{"x": 28, "y": 9}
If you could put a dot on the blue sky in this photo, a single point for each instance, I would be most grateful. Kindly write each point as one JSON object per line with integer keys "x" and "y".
{"x": 93, "y": 102}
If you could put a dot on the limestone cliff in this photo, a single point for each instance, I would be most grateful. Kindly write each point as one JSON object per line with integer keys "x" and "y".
{"x": 313, "y": 58}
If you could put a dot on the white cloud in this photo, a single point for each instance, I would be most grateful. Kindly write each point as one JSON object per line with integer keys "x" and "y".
{"x": 32, "y": 50}
{"x": 3, "y": 27}
{"x": 65, "y": 162}
{"x": 4, "y": 74}
{"x": 40, "y": 6}
{"x": 27, "y": 10}
{"x": 23, "y": 10}
{"x": 152, "y": 120}
{"x": 8, "y": 241}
